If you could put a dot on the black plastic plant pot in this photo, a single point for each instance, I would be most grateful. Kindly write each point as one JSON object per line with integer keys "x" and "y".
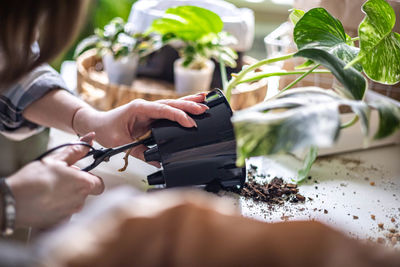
{"x": 205, "y": 155}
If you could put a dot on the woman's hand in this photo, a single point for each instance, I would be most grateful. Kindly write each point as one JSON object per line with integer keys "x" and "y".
{"x": 128, "y": 122}
{"x": 51, "y": 190}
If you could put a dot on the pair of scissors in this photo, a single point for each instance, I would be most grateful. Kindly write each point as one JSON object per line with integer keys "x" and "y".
{"x": 102, "y": 154}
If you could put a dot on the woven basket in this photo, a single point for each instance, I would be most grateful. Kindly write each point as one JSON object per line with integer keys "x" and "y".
{"x": 94, "y": 88}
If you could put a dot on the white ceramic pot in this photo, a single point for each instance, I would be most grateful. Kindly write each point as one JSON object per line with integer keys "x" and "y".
{"x": 191, "y": 80}
{"x": 121, "y": 71}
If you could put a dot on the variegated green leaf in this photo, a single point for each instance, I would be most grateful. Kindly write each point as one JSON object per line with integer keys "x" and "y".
{"x": 317, "y": 28}
{"x": 321, "y": 37}
{"x": 380, "y": 47}
{"x": 296, "y": 15}
{"x": 310, "y": 118}
{"x": 363, "y": 112}
{"x": 86, "y": 44}
{"x": 263, "y": 134}
{"x": 353, "y": 81}
{"x": 389, "y": 118}
{"x": 320, "y": 30}
{"x": 308, "y": 162}
{"x": 298, "y": 119}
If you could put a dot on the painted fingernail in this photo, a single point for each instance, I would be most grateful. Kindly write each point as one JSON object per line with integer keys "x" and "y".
{"x": 203, "y": 106}
{"x": 193, "y": 122}
{"x": 203, "y": 94}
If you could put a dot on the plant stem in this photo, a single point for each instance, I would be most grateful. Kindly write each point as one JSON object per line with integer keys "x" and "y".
{"x": 299, "y": 79}
{"x": 353, "y": 62}
{"x": 233, "y": 82}
{"x": 282, "y": 73}
{"x": 222, "y": 69}
{"x": 356, "y": 59}
{"x": 350, "y": 123}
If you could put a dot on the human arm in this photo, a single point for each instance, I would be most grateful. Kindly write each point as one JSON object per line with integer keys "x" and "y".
{"x": 55, "y": 109}
{"x": 15, "y": 98}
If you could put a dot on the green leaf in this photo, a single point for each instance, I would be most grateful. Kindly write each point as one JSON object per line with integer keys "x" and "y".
{"x": 363, "y": 112}
{"x": 320, "y": 30}
{"x": 86, "y": 44}
{"x": 224, "y": 53}
{"x": 113, "y": 29}
{"x": 389, "y": 118}
{"x": 209, "y": 21}
{"x": 321, "y": 38}
{"x": 353, "y": 81}
{"x": 296, "y": 15}
{"x": 308, "y": 162}
{"x": 317, "y": 28}
{"x": 297, "y": 119}
{"x": 311, "y": 119}
{"x": 198, "y": 28}
{"x": 380, "y": 47}
{"x": 189, "y": 23}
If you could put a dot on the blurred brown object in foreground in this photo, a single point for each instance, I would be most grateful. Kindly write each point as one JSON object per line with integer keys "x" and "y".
{"x": 192, "y": 229}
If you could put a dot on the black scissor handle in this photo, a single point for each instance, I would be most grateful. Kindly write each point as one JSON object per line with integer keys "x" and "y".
{"x": 99, "y": 156}
{"x": 102, "y": 154}
{"x": 48, "y": 152}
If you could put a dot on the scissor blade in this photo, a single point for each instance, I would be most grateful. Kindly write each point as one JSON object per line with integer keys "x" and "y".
{"x": 123, "y": 148}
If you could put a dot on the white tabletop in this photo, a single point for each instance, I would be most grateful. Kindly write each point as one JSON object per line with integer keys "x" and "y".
{"x": 346, "y": 190}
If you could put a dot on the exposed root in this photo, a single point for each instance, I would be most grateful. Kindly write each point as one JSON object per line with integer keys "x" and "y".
{"x": 128, "y": 152}
{"x": 126, "y": 160}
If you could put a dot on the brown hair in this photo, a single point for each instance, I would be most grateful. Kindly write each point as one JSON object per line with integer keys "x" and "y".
{"x": 52, "y": 23}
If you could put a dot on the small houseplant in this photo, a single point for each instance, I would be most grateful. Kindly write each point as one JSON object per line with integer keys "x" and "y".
{"x": 197, "y": 35}
{"x": 120, "y": 50}
{"x": 308, "y": 118}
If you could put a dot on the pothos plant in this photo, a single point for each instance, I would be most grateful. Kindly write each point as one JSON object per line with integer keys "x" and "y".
{"x": 308, "y": 118}
{"x": 117, "y": 38}
{"x": 198, "y": 35}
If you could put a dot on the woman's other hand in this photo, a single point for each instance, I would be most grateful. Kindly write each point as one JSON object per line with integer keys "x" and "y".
{"x": 124, "y": 124}
{"x": 49, "y": 191}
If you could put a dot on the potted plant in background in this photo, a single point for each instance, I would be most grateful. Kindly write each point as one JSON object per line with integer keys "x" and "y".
{"x": 308, "y": 118}
{"x": 197, "y": 35}
{"x": 120, "y": 50}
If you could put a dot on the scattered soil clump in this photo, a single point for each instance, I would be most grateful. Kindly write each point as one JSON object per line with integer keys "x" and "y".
{"x": 274, "y": 192}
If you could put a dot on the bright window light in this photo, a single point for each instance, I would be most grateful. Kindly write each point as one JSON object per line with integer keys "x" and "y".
{"x": 255, "y": 1}
{"x": 283, "y": 2}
